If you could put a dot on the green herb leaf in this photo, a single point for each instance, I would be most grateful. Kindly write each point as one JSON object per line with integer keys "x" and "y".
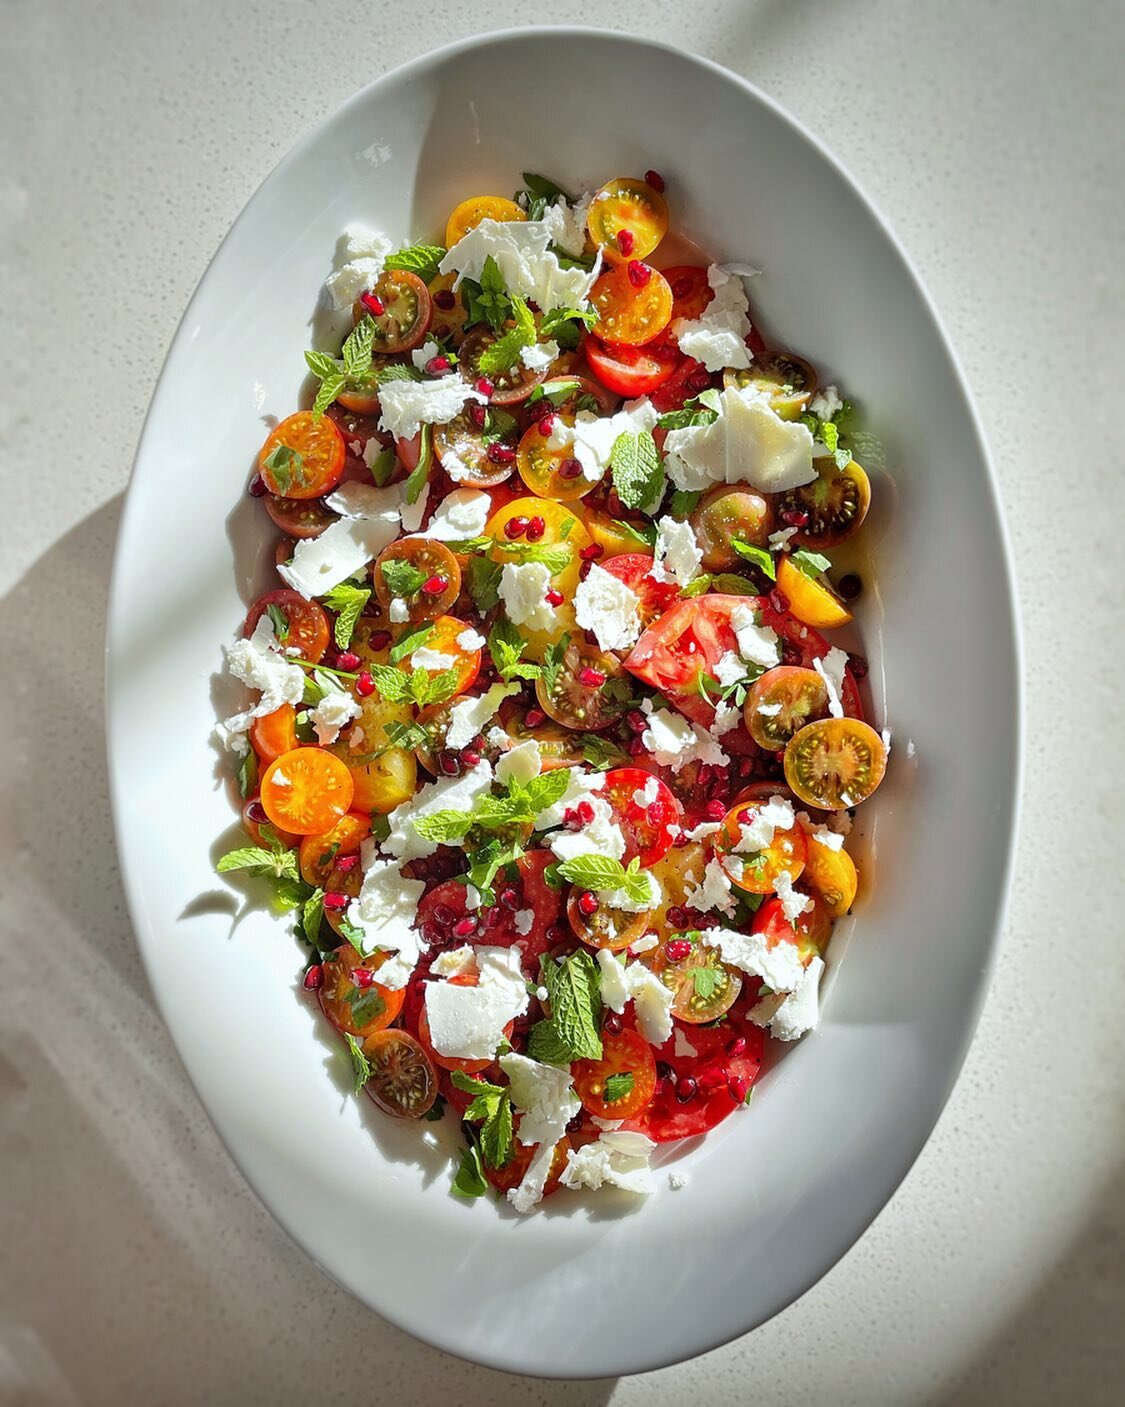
{"x": 484, "y": 583}
{"x": 553, "y": 658}
{"x": 274, "y": 863}
{"x": 643, "y": 534}
{"x": 698, "y": 587}
{"x": 392, "y": 683}
{"x": 504, "y": 353}
{"x": 543, "y": 791}
{"x": 470, "y": 1180}
{"x": 705, "y": 980}
{"x": 413, "y": 638}
{"x": 682, "y": 503}
{"x": 348, "y": 601}
{"x": 559, "y": 320}
{"x": 593, "y": 872}
{"x": 401, "y": 576}
{"x": 638, "y": 474}
{"x": 404, "y": 735}
{"x": 311, "y": 915}
{"x": 496, "y": 1135}
{"x": 618, "y": 1086}
{"x": 809, "y": 564}
{"x": 367, "y": 1005}
{"x": 487, "y": 301}
{"x": 545, "y": 188}
{"x": 286, "y": 468}
{"x": 555, "y": 556}
{"x": 384, "y": 467}
{"x": 396, "y": 371}
{"x": 322, "y": 365}
{"x": 421, "y": 471}
{"x": 574, "y": 993}
{"x": 602, "y": 753}
{"x": 557, "y": 392}
{"x": 420, "y": 259}
{"x": 356, "y": 350}
{"x": 506, "y": 645}
{"x": 445, "y": 826}
{"x": 499, "y": 424}
{"x": 433, "y": 688}
{"x": 361, "y": 1066}
{"x": 436, "y": 1111}
{"x": 731, "y": 585}
{"x": 248, "y": 773}
{"x": 758, "y": 555}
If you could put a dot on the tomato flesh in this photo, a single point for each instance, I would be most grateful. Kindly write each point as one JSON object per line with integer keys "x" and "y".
{"x": 721, "y": 1079}
{"x": 623, "y": 1053}
{"x": 650, "y": 826}
{"x": 632, "y": 371}
{"x": 403, "y": 1081}
{"x": 634, "y": 568}
{"x": 303, "y": 457}
{"x": 298, "y": 623}
{"x": 306, "y": 791}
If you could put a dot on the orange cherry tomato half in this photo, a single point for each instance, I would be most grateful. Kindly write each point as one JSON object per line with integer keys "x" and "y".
{"x": 319, "y": 853}
{"x": 811, "y": 599}
{"x": 403, "y": 1081}
{"x": 274, "y": 733}
{"x": 297, "y": 623}
{"x": 832, "y": 875}
{"x": 633, "y": 371}
{"x": 428, "y": 579}
{"x": 306, "y": 791}
{"x": 781, "y": 701}
{"x": 406, "y": 316}
{"x": 690, "y": 290}
{"x": 550, "y": 473}
{"x": 443, "y": 639}
{"x": 627, "y": 219}
{"x": 254, "y": 818}
{"x": 468, "y": 215}
{"x": 302, "y": 458}
{"x": 350, "y": 997}
{"x": 606, "y": 927}
{"x": 625, "y": 1053}
{"x": 628, "y": 314}
{"x": 758, "y": 871}
{"x": 835, "y": 763}
{"x": 703, "y": 998}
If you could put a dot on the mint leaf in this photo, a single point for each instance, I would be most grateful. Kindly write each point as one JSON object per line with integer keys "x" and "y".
{"x": 445, "y": 826}
{"x": 758, "y": 555}
{"x": 496, "y": 1134}
{"x": 499, "y": 424}
{"x": 504, "y": 353}
{"x": 557, "y": 392}
{"x": 638, "y": 474}
{"x": 561, "y": 320}
{"x": 393, "y": 684}
{"x": 644, "y": 534}
{"x": 618, "y": 1086}
{"x": 366, "y": 1005}
{"x": 404, "y": 735}
{"x": 286, "y": 468}
{"x": 553, "y": 658}
{"x": 683, "y": 503}
{"x": 322, "y": 365}
{"x": 705, "y": 980}
{"x": 248, "y": 773}
{"x": 420, "y": 259}
{"x": 555, "y": 556}
{"x": 728, "y": 584}
{"x": 429, "y": 688}
{"x": 545, "y": 188}
{"x": 348, "y": 602}
{"x": 384, "y": 467}
{"x": 396, "y": 371}
{"x": 506, "y": 645}
{"x": 487, "y": 301}
{"x": 593, "y": 872}
{"x": 356, "y": 350}
{"x": 276, "y": 863}
{"x": 421, "y": 471}
{"x": 602, "y": 753}
{"x": 484, "y": 583}
{"x": 361, "y": 1066}
{"x": 470, "y": 1181}
{"x": 401, "y": 576}
{"x": 573, "y": 991}
{"x": 311, "y": 915}
{"x": 411, "y": 639}
{"x": 809, "y": 564}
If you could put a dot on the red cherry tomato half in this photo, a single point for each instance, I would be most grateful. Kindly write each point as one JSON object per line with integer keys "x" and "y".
{"x": 633, "y": 569}
{"x": 687, "y": 380}
{"x": 684, "y": 642}
{"x": 650, "y": 829}
{"x": 726, "y": 1066}
{"x": 631, "y": 371}
{"x": 298, "y": 624}
{"x": 802, "y": 644}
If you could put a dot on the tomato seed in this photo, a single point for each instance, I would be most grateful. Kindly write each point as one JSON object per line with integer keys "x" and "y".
{"x": 554, "y": 597}
{"x": 484, "y": 386}
{"x": 363, "y": 977}
{"x": 639, "y": 273}
{"x": 477, "y": 414}
{"x": 612, "y": 1025}
{"x": 850, "y": 586}
{"x": 444, "y": 299}
{"x": 438, "y": 366}
{"x": 314, "y": 978}
{"x": 587, "y": 904}
{"x": 348, "y": 661}
{"x": 256, "y": 488}
{"x": 464, "y": 926}
{"x": 364, "y": 684}
{"x": 546, "y": 425}
{"x": 678, "y": 949}
{"x": 686, "y": 1089}
{"x": 592, "y": 553}
{"x": 570, "y": 468}
{"x": 434, "y": 585}
{"x": 470, "y": 757}
{"x": 534, "y": 717}
{"x": 346, "y": 863}
{"x": 535, "y": 529}
{"x": 500, "y": 454}
{"x": 625, "y": 241}
{"x": 591, "y": 678}
{"x": 655, "y": 180}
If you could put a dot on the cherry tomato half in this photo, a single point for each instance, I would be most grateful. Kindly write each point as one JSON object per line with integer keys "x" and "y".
{"x": 627, "y": 219}
{"x": 298, "y": 517}
{"x": 691, "y": 291}
{"x": 758, "y": 871}
{"x": 606, "y": 927}
{"x": 788, "y": 380}
{"x": 513, "y": 1171}
{"x": 403, "y": 1081}
{"x": 434, "y": 577}
{"x": 705, "y": 1088}
{"x": 462, "y": 448}
{"x": 810, "y": 933}
{"x": 724, "y": 515}
{"x": 831, "y": 874}
{"x": 509, "y": 387}
{"x": 835, "y": 763}
{"x": 781, "y": 701}
{"x": 306, "y": 791}
{"x": 349, "y": 996}
{"x": 633, "y": 371}
{"x": 575, "y": 697}
{"x": 650, "y": 827}
{"x": 468, "y": 215}
{"x": 625, "y": 1053}
{"x": 627, "y": 314}
{"x": 319, "y": 853}
{"x": 407, "y": 313}
{"x": 547, "y": 472}
{"x": 274, "y": 733}
{"x": 299, "y": 624}
{"x": 302, "y": 458}
{"x": 704, "y": 986}
{"x": 654, "y": 597}
{"x": 811, "y": 599}
{"x": 836, "y": 502}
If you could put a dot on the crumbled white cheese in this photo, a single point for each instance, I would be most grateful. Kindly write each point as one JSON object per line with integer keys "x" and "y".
{"x": 779, "y": 540}
{"x": 646, "y": 795}
{"x": 645, "y": 944}
{"x": 677, "y": 555}
{"x": 800, "y": 1010}
{"x": 652, "y": 1000}
{"x": 455, "y": 962}
{"x": 360, "y": 255}
{"x": 676, "y": 1180}
{"x": 342, "y": 549}
{"x": 821, "y": 835}
{"x": 604, "y": 604}
{"x": 591, "y": 438}
{"x": 826, "y": 403}
{"x": 779, "y": 967}
{"x": 405, "y": 406}
{"x": 831, "y": 670}
{"x": 436, "y": 660}
{"x": 793, "y": 902}
{"x": 385, "y": 909}
{"x": 520, "y": 764}
{"x": 523, "y": 586}
{"x": 717, "y": 338}
{"x": 258, "y": 662}
{"x": 757, "y": 644}
{"x": 580, "y": 785}
{"x": 353, "y": 499}
{"x": 540, "y": 355}
{"x": 426, "y": 352}
{"x": 460, "y": 516}
{"x": 730, "y": 669}
{"x": 544, "y": 1098}
{"x": 683, "y": 1048}
{"x": 446, "y": 794}
{"x": 523, "y": 922}
{"x": 714, "y": 892}
{"x": 467, "y": 1023}
{"x": 601, "y": 836}
{"x": 620, "y": 899}
{"x": 619, "y": 1159}
{"x": 468, "y": 716}
{"x": 673, "y": 741}
{"x": 757, "y": 834}
{"x": 702, "y": 830}
{"x": 413, "y": 513}
{"x": 333, "y": 712}
{"x": 471, "y": 639}
{"x": 747, "y": 444}
{"x": 526, "y": 265}
{"x": 567, "y": 224}
{"x": 361, "y": 242}
{"x": 398, "y": 611}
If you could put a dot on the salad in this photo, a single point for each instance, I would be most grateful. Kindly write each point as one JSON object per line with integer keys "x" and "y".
{"x": 546, "y": 749}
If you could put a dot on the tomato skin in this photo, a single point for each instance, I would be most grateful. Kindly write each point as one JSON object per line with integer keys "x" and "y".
{"x": 404, "y": 324}
{"x": 692, "y": 635}
{"x": 274, "y": 733}
{"x": 691, "y": 291}
{"x": 338, "y": 994}
{"x": 627, "y": 314}
{"x": 299, "y": 518}
{"x": 308, "y": 625}
{"x": 809, "y": 935}
{"x": 443, "y": 641}
{"x": 539, "y": 466}
{"x": 318, "y": 853}
{"x": 835, "y": 763}
{"x": 633, "y": 569}
{"x": 811, "y": 600}
{"x": 320, "y": 447}
{"x": 627, "y": 204}
{"x": 544, "y": 902}
{"x": 468, "y": 215}
{"x": 306, "y": 791}
{"x": 784, "y": 854}
{"x": 403, "y": 1081}
{"x": 632, "y": 371}
{"x": 713, "y": 1069}
{"x": 649, "y": 830}
{"x": 432, "y": 558}
{"x": 624, "y": 1052}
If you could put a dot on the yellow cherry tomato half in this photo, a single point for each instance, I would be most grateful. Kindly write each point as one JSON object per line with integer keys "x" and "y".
{"x": 831, "y": 874}
{"x": 758, "y": 870}
{"x": 835, "y": 763}
{"x": 319, "y": 853}
{"x": 468, "y": 215}
{"x": 631, "y": 312}
{"x": 550, "y": 473}
{"x": 627, "y": 219}
{"x": 302, "y": 457}
{"x": 306, "y": 791}
{"x": 383, "y": 776}
{"x": 811, "y": 599}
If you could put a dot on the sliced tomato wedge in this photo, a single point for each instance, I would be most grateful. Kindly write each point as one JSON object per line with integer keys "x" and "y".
{"x": 685, "y": 643}
{"x": 650, "y": 829}
{"x": 728, "y": 1061}
{"x": 633, "y": 569}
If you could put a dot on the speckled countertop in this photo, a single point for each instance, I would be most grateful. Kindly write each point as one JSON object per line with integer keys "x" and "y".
{"x": 135, "y": 1265}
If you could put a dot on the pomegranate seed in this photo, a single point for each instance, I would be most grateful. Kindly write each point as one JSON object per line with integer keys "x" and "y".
{"x": 585, "y": 812}
{"x": 850, "y": 586}
{"x": 592, "y": 552}
{"x": 346, "y": 863}
{"x": 681, "y": 288}
{"x": 635, "y": 746}
{"x": 554, "y": 597}
{"x": 363, "y": 977}
{"x": 715, "y": 810}
{"x": 746, "y": 767}
{"x": 314, "y": 978}
{"x": 570, "y": 819}
{"x": 636, "y": 721}
{"x": 510, "y": 898}
{"x": 678, "y": 949}
{"x": 373, "y": 303}
{"x": 444, "y": 916}
{"x": 348, "y": 661}
{"x": 449, "y": 763}
{"x": 546, "y": 425}
{"x": 584, "y": 570}
{"x": 534, "y": 717}
{"x": 686, "y": 1089}
{"x": 569, "y": 468}
{"x": 477, "y": 414}
{"x": 556, "y": 933}
{"x": 655, "y": 180}
{"x": 438, "y": 366}
{"x": 435, "y": 585}
{"x": 779, "y": 602}
{"x": 678, "y": 916}
{"x": 444, "y": 299}
{"x": 858, "y": 666}
{"x": 464, "y": 926}
{"x": 489, "y": 918}
{"x": 639, "y": 274}
{"x": 334, "y": 901}
{"x": 737, "y": 1087}
{"x": 257, "y": 487}
{"x": 470, "y": 757}
{"x": 625, "y": 241}
{"x": 500, "y": 454}
{"x": 591, "y": 678}
{"x": 698, "y": 380}
{"x": 256, "y": 812}
{"x": 794, "y": 517}
{"x": 587, "y": 904}
{"x": 613, "y": 1024}
{"x": 433, "y": 935}
{"x": 535, "y": 529}
{"x": 364, "y": 684}
{"x": 379, "y": 639}
{"x": 737, "y": 1046}
{"x": 485, "y": 386}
